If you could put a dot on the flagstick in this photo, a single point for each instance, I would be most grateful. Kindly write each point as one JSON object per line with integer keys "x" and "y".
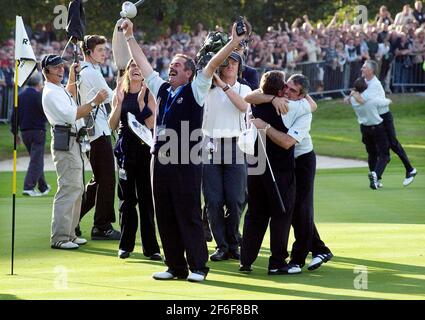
{"x": 15, "y": 133}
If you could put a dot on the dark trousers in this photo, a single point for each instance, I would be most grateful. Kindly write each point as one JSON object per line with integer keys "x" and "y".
{"x": 34, "y": 141}
{"x": 177, "y": 198}
{"x": 135, "y": 189}
{"x": 306, "y": 236}
{"x": 100, "y": 191}
{"x": 225, "y": 185}
{"x": 377, "y": 147}
{"x": 395, "y": 145}
{"x": 264, "y": 208}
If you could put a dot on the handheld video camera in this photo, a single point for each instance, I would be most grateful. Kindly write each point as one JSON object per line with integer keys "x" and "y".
{"x": 240, "y": 27}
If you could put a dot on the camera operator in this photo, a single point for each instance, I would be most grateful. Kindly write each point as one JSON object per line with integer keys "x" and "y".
{"x": 100, "y": 190}
{"x": 65, "y": 118}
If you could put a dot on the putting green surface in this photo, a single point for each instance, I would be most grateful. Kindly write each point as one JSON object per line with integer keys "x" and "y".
{"x": 377, "y": 238}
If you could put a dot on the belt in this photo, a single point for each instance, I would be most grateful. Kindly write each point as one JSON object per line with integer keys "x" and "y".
{"x": 373, "y": 127}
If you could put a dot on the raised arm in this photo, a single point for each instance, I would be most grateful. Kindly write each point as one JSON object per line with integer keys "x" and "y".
{"x": 71, "y": 84}
{"x": 222, "y": 55}
{"x": 135, "y": 50}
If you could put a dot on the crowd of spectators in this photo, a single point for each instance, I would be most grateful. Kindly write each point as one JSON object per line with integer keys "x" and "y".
{"x": 330, "y": 55}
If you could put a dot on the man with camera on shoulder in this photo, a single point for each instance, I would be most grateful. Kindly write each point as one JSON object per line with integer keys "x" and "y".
{"x": 67, "y": 135}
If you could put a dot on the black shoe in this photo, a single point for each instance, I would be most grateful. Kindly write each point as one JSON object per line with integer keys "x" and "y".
{"x": 156, "y": 257}
{"x": 123, "y": 254}
{"x": 234, "y": 254}
{"x": 288, "y": 269}
{"x": 78, "y": 232}
{"x": 318, "y": 260}
{"x": 243, "y": 268}
{"x": 111, "y": 234}
{"x": 219, "y": 255}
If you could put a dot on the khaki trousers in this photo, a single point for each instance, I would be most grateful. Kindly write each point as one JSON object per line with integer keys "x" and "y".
{"x": 67, "y": 201}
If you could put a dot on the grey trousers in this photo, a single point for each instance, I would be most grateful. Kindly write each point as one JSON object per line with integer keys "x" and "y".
{"x": 67, "y": 201}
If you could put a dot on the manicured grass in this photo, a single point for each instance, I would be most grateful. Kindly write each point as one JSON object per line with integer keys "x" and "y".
{"x": 378, "y": 231}
{"x": 6, "y": 143}
{"x": 382, "y": 231}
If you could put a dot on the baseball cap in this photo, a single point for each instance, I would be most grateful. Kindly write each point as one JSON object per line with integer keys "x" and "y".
{"x": 236, "y": 56}
{"x": 51, "y": 60}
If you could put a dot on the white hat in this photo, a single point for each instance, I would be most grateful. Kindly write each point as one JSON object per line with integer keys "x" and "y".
{"x": 246, "y": 140}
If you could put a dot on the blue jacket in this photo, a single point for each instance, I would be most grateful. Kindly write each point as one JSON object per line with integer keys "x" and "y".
{"x": 30, "y": 111}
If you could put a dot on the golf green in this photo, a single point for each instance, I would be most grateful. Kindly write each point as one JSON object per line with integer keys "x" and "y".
{"x": 377, "y": 238}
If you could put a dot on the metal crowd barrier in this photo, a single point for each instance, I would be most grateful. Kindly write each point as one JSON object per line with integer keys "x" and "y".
{"x": 329, "y": 80}
{"x": 6, "y": 103}
{"x": 407, "y": 76}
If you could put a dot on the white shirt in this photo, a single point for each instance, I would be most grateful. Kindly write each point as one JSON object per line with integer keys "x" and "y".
{"x": 59, "y": 106}
{"x": 222, "y": 119}
{"x": 298, "y": 122}
{"x": 200, "y": 86}
{"x": 312, "y": 50}
{"x": 375, "y": 90}
{"x": 367, "y": 113}
{"x": 92, "y": 82}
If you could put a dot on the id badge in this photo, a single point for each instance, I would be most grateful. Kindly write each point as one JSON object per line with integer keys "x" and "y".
{"x": 160, "y": 130}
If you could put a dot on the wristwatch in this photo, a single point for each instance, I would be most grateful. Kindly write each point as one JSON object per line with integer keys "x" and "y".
{"x": 93, "y": 104}
{"x": 226, "y": 87}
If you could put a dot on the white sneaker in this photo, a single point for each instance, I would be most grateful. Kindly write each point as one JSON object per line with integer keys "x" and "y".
{"x": 46, "y": 192}
{"x": 196, "y": 276}
{"x": 66, "y": 245}
{"x": 294, "y": 268}
{"x": 80, "y": 241}
{"x": 31, "y": 193}
{"x": 410, "y": 177}
{"x": 380, "y": 185}
{"x": 167, "y": 275}
{"x": 318, "y": 260}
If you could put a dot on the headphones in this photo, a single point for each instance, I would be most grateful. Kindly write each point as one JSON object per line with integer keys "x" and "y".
{"x": 88, "y": 52}
{"x": 84, "y": 46}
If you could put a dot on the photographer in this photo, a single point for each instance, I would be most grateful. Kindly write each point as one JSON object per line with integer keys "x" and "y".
{"x": 65, "y": 118}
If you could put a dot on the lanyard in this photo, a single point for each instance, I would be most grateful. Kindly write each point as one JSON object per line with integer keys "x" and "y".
{"x": 168, "y": 106}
